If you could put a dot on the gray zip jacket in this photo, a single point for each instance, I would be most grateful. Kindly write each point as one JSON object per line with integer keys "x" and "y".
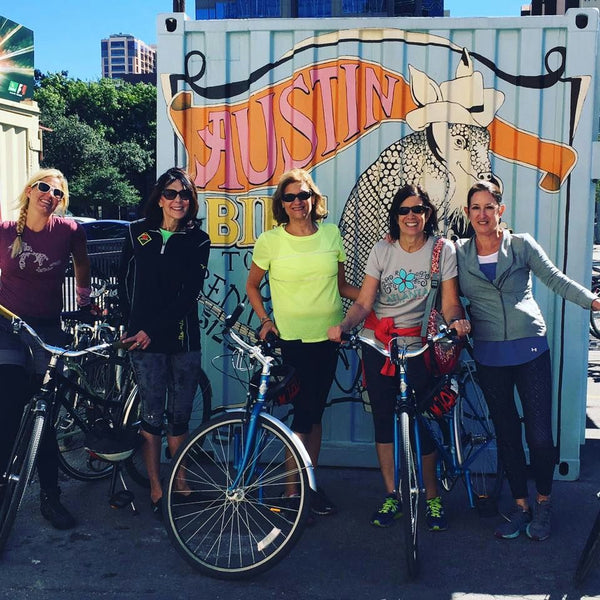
{"x": 504, "y": 309}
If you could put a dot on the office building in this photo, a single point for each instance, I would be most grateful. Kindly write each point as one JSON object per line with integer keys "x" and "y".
{"x": 123, "y": 54}
{"x": 556, "y": 7}
{"x": 242, "y": 9}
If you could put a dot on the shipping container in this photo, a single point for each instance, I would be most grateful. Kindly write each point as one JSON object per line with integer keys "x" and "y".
{"x": 369, "y": 104}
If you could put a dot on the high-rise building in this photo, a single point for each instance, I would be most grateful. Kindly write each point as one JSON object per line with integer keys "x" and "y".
{"x": 242, "y": 9}
{"x": 122, "y": 54}
{"x": 556, "y": 7}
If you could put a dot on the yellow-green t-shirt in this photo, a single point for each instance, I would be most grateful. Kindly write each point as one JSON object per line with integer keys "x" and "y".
{"x": 303, "y": 274}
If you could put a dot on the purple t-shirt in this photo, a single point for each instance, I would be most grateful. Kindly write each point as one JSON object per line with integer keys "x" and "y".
{"x": 31, "y": 283}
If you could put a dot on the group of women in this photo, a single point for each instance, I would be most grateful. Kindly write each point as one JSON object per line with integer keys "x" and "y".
{"x": 163, "y": 268}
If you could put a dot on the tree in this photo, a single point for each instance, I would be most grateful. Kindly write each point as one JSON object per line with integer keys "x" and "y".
{"x": 101, "y": 134}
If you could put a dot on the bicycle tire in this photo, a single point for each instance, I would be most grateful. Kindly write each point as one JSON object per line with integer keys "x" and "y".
{"x": 476, "y": 446}
{"x": 109, "y": 379}
{"x": 201, "y": 413}
{"x": 410, "y": 494}
{"x": 239, "y": 533}
{"x": 19, "y": 471}
{"x": 589, "y": 554}
{"x": 595, "y": 323}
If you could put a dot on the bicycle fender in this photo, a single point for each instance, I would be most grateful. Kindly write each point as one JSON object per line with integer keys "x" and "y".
{"x": 299, "y": 445}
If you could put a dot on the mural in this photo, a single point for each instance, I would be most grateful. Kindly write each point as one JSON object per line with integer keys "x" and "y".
{"x": 239, "y": 139}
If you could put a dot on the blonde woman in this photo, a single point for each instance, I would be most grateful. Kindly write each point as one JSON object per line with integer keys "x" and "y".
{"x": 34, "y": 253}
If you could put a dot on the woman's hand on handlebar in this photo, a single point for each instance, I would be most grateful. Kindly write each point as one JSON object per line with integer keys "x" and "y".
{"x": 335, "y": 333}
{"x": 266, "y": 328}
{"x": 139, "y": 341}
{"x": 462, "y": 327}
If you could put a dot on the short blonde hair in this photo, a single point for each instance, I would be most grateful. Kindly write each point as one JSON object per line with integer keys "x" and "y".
{"x": 23, "y": 203}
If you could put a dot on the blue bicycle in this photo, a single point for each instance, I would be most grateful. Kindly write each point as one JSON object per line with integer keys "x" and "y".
{"x": 463, "y": 434}
{"x": 238, "y": 492}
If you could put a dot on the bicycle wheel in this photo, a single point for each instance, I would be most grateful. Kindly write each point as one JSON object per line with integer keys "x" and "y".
{"x": 476, "y": 447}
{"x": 410, "y": 494}
{"x": 108, "y": 381}
{"x": 201, "y": 413}
{"x": 234, "y": 533}
{"x": 19, "y": 470}
{"x": 595, "y": 323}
{"x": 590, "y": 553}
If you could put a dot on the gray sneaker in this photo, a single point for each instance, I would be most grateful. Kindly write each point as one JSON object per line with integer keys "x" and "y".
{"x": 516, "y": 521}
{"x": 539, "y": 528}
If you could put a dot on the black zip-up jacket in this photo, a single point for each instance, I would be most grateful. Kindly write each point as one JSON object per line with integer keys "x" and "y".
{"x": 159, "y": 285}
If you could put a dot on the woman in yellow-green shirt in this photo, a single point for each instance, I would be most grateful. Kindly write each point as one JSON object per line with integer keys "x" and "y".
{"x": 304, "y": 259}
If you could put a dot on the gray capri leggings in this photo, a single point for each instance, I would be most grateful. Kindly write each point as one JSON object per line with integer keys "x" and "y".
{"x": 170, "y": 379}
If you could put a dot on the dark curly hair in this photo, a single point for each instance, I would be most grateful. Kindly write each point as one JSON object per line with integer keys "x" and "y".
{"x": 318, "y": 211}
{"x": 401, "y": 195}
{"x": 152, "y": 210}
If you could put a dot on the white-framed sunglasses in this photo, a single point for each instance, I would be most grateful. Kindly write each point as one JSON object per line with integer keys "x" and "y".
{"x": 44, "y": 187}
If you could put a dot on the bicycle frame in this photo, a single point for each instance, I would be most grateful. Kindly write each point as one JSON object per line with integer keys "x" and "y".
{"x": 258, "y": 408}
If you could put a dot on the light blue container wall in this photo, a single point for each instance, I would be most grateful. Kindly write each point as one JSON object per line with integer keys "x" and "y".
{"x": 509, "y": 53}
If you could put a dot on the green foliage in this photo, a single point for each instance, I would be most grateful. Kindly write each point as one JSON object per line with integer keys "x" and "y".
{"x": 102, "y": 135}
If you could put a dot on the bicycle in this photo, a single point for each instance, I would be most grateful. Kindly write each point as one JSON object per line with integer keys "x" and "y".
{"x": 42, "y": 407}
{"x": 595, "y": 315}
{"x": 589, "y": 554}
{"x": 463, "y": 436}
{"x": 238, "y": 519}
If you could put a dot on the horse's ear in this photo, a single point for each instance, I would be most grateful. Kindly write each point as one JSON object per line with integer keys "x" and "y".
{"x": 465, "y": 65}
{"x": 423, "y": 89}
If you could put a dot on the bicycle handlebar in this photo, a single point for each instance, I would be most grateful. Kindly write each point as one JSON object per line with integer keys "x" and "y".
{"x": 19, "y": 324}
{"x": 393, "y": 349}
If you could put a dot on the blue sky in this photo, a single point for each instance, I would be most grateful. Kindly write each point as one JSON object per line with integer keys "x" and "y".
{"x": 67, "y": 33}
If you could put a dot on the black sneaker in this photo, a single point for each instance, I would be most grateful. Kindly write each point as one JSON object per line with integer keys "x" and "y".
{"x": 53, "y": 511}
{"x": 320, "y": 504}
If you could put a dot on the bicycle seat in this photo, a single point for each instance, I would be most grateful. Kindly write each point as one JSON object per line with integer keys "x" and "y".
{"x": 283, "y": 384}
{"x": 112, "y": 444}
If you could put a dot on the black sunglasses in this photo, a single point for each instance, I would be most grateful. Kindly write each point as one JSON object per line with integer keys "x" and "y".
{"x": 171, "y": 194}
{"x": 44, "y": 187}
{"x": 419, "y": 209}
{"x": 303, "y": 195}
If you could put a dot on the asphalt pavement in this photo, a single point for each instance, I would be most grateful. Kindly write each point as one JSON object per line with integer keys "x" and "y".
{"x": 114, "y": 554}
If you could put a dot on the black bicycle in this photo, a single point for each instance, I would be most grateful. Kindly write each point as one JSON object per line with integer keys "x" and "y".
{"x": 43, "y": 406}
{"x": 589, "y": 554}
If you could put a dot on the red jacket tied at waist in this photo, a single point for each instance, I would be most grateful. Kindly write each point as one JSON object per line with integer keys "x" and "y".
{"x": 385, "y": 330}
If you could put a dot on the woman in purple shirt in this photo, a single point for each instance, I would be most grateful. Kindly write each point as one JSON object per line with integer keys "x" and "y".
{"x": 34, "y": 253}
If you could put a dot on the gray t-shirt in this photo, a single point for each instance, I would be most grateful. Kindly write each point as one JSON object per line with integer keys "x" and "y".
{"x": 405, "y": 279}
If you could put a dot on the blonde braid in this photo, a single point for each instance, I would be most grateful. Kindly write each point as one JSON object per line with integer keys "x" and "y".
{"x": 17, "y": 245}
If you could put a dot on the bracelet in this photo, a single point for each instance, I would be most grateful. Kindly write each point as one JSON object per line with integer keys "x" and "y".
{"x": 452, "y": 321}
{"x": 263, "y": 320}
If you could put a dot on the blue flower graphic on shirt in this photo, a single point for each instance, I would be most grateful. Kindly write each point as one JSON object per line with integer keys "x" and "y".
{"x": 404, "y": 281}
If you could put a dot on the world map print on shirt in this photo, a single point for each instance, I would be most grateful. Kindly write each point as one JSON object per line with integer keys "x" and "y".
{"x": 41, "y": 262}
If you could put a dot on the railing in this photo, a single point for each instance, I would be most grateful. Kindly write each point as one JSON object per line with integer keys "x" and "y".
{"x": 104, "y": 256}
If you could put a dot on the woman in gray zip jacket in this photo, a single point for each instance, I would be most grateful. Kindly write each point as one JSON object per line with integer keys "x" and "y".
{"x": 511, "y": 349}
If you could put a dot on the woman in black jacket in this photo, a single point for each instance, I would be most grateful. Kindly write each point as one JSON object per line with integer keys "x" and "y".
{"x": 163, "y": 267}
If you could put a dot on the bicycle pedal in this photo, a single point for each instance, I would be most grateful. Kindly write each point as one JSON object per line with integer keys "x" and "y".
{"x": 121, "y": 499}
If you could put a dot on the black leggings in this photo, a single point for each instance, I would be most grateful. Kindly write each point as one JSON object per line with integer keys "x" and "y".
{"x": 315, "y": 364}
{"x": 383, "y": 390}
{"x": 16, "y": 390}
{"x": 533, "y": 381}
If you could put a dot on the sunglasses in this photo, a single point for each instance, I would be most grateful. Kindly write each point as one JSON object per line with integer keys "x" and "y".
{"x": 170, "y": 194}
{"x": 419, "y": 209}
{"x": 303, "y": 195}
{"x": 44, "y": 187}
